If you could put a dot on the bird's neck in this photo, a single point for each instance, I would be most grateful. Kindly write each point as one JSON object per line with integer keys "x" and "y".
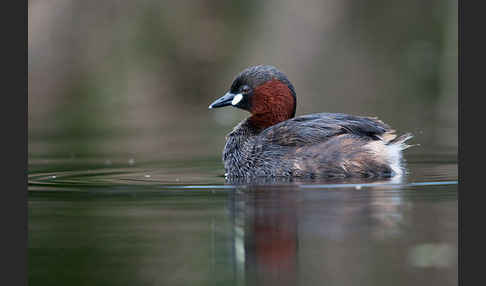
{"x": 272, "y": 102}
{"x": 259, "y": 122}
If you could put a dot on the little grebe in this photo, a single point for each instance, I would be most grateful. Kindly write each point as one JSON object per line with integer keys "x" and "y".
{"x": 272, "y": 142}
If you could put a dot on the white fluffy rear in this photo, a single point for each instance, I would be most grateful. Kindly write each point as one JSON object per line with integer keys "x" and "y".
{"x": 390, "y": 151}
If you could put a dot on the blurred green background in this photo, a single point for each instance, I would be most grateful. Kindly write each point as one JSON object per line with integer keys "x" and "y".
{"x": 135, "y": 78}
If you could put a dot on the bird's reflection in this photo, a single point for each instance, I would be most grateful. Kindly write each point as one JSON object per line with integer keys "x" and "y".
{"x": 268, "y": 218}
{"x": 265, "y": 235}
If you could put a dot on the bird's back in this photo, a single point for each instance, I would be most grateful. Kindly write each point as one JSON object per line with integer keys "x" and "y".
{"x": 316, "y": 145}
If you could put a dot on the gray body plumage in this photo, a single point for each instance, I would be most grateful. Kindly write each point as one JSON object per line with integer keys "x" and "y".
{"x": 315, "y": 145}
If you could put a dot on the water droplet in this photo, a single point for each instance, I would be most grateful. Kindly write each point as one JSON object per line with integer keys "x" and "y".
{"x": 147, "y": 176}
{"x": 131, "y": 161}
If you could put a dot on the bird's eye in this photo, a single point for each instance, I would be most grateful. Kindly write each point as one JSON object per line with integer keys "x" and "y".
{"x": 245, "y": 89}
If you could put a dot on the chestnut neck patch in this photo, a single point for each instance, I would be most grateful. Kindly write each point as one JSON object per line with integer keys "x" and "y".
{"x": 271, "y": 103}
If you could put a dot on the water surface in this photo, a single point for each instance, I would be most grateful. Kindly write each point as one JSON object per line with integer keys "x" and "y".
{"x": 128, "y": 222}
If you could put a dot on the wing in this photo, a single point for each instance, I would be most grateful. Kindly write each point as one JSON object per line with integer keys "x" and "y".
{"x": 317, "y": 128}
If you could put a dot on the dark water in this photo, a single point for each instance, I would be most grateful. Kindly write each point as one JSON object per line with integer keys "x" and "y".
{"x": 120, "y": 221}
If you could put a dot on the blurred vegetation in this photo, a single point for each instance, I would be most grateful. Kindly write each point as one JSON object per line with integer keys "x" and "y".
{"x": 136, "y": 77}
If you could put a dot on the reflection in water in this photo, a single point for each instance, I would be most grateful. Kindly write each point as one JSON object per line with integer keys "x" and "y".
{"x": 363, "y": 234}
{"x": 283, "y": 235}
{"x": 386, "y": 211}
{"x": 118, "y": 226}
{"x": 265, "y": 235}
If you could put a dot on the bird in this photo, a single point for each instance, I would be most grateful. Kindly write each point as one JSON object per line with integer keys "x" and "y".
{"x": 273, "y": 142}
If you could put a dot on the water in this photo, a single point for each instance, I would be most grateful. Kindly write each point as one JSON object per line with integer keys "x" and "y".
{"x": 128, "y": 222}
